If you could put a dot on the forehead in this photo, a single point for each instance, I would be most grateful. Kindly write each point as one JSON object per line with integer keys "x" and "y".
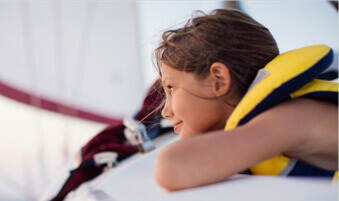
{"x": 169, "y": 73}
{"x": 174, "y": 75}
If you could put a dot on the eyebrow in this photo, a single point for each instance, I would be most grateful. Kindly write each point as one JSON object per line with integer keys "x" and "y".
{"x": 164, "y": 82}
{"x": 168, "y": 79}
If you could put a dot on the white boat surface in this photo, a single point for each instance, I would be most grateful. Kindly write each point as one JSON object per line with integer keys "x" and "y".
{"x": 133, "y": 180}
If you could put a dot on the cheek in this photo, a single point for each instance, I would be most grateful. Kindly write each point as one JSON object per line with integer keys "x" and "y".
{"x": 179, "y": 105}
{"x": 194, "y": 111}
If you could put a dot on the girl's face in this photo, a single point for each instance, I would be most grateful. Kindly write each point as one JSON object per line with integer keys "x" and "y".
{"x": 189, "y": 112}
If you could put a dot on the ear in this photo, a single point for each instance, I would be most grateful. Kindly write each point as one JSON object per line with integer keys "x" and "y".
{"x": 221, "y": 78}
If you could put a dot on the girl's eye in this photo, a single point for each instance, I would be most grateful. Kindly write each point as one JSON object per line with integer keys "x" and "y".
{"x": 170, "y": 88}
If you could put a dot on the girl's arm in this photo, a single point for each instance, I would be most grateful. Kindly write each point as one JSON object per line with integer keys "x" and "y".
{"x": 304, "y": 128}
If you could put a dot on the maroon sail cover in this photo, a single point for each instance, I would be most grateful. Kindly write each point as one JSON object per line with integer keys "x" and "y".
{"x": 112, "y": 139}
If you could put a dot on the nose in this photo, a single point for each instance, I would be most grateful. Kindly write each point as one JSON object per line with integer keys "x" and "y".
{"x": 167, "y": 110}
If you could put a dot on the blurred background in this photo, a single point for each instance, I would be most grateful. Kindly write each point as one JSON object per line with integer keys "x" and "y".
{"x": 70, "y": 68}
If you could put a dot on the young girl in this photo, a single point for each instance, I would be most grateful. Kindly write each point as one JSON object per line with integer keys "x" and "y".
{"x": 206, "y": 67}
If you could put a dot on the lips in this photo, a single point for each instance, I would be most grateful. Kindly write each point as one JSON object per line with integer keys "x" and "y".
{"x": 176, "y": 126}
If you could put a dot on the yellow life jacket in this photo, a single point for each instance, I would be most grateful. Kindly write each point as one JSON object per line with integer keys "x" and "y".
{"x": 289, "y": 75}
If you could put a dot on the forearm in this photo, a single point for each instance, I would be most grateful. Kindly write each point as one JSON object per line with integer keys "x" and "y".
{"x": 193, "y": 162}
{"x": 213, "y": 157}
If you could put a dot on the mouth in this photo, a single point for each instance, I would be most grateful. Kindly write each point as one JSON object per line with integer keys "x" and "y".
{"x": 176, "y": 126}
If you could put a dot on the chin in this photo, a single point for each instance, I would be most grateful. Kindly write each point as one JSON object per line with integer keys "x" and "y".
{"x": 181, "y": 136}
{"x": 184, "y": 135}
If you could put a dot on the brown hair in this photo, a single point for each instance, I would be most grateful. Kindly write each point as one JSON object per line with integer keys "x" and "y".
{"x": 228, "y": 36}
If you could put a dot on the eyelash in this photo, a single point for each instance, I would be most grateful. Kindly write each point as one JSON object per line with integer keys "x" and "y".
{"x": 170, "y": 87}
